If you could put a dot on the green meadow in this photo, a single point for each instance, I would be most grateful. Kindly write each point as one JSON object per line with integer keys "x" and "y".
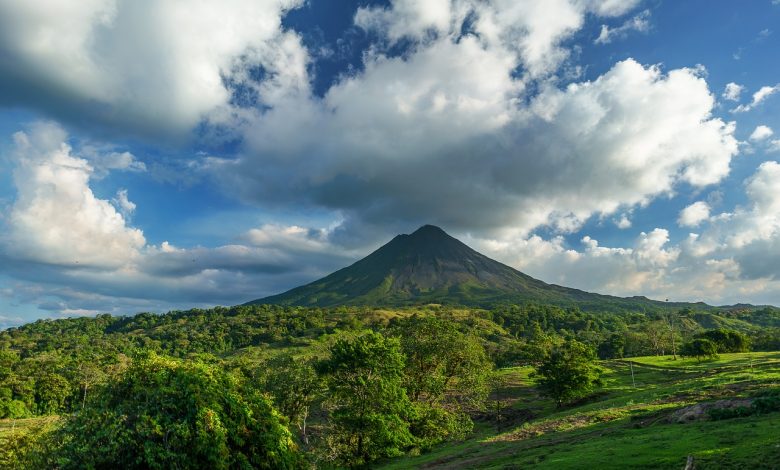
{"x": 629, "y": 423}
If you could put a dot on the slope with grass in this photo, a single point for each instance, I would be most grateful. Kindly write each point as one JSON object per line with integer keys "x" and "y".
{"x": 655, "y": 420}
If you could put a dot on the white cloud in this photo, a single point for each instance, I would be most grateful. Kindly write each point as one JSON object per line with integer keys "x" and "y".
{"x": 758, "y": 97}
{"x": 450, "y": 112}
{"x": 774, "y": 146}
{"x": 73, "y": 253}
{"x": 636, "y": 270}
{"x": 694, "y": 214}
{"x": 530, "y": 30}
{"x": 121, "y": 202}
{"x": 732, "y": 91}
{"x": 761, "y": 133}
{"x": 750, "y": 229}
{"x": 148, "y": 65}
{"x": 624, "y": 222}
{"x": 639, "y": 23}
{"x": 56, "y": 217}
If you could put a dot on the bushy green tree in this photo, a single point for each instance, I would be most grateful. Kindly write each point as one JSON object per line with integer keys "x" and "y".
{"x": 446, "y": 376}
{"x": 295, "y": 386}
{"x": 442, "y": 363}
{"x": 167, "y": 413}
{"x": 727, "y": 341}
{"x": 612, "y": 347}
{"x": 568, "y": 373}
{"x": 51, "y": 392}
{"x": 369, "y": 405}
{"x": 700, "y": 348}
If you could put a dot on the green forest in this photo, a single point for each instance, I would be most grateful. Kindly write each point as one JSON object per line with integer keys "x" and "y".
{"x": 264, "y": 386}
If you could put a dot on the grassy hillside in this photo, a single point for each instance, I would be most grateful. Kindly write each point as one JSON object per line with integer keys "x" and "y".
{"x": 628, "y": 426}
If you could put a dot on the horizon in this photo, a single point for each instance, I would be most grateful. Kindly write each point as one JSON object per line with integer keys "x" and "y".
{"x": 152, "y": 158}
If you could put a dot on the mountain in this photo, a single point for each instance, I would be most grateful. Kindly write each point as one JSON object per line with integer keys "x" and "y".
{"x": 430, "y": 266}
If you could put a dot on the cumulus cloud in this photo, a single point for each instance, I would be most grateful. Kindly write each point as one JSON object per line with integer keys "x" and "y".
{"x": 123, "y": 204}
{"x": 761, "y": 133}
{"x": 642, "y": 268}
{"x": 639, "y": 23}
{"x": 439, "y": 135}
{"x": 105, "y": 159}
{"x": 623, "y": 223}
{"x": 732, "y": 91}
{"x": 478, "y": 111}
{"x": 750, "y": 234}
{"x": 155, "y": 67}
{"x": 56, "y": 218}
{"x": 758, "y": 97}
{"x": 531, "y": 30}
{"x": 694, "y": 214}
{"x": 74, "y": 253}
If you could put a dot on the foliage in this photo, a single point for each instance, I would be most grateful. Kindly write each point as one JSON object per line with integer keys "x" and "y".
{"x": 568, "y": 373}
{"x": 700, "y": 348}
{"x": 295, "y": 386}
{"x": 165, "y": 413}
{"x": 443, "y": 363}
{"x": 58, "y": 367}
{"x": 369, "y": 404}
{"x": 612, "y": 347}
{"x": 30, "y": 446}
{"x": 727, "y": 341}
{"x": 447, "y": 376}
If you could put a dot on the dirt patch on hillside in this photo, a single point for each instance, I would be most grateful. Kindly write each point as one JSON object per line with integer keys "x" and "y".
{"x": 701, "y": 411}
{"x": 566, "y": 423}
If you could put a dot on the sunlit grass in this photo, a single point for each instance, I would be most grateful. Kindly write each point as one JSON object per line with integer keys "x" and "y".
{"x": 627, "y": 423}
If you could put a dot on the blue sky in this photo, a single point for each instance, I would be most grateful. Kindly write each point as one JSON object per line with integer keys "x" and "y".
{"x": 169, "y": 154}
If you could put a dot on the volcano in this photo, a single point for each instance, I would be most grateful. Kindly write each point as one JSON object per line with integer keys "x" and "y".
{"x": 430, "y": 266}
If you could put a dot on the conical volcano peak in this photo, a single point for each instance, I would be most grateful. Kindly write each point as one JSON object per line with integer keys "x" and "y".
{"x": 430, "y": 266}
{"x": 428, "y": 235}
{"x": 429, "y": 231}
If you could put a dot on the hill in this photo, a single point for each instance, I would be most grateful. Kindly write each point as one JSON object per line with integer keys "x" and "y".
{"x": 652, "y": 412}
{"x": 430, "y": 266}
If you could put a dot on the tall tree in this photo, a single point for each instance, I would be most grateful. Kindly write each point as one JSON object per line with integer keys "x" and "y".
{"x": 369, "y": 404}
{"x": 295, "y": 386}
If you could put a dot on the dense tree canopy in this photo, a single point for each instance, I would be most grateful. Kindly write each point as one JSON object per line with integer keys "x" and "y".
{"x": 167, "y": 413}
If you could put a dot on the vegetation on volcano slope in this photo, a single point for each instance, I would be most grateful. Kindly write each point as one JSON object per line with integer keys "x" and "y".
{"x": 437, "y": 394}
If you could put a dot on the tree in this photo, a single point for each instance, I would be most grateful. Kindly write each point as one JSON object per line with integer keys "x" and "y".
{"x": 294, "y": 385}
{"x": 568, "y": 373}
{"x": 727, "y": 341}
{"x": 447, "y": 375}
{"x": 656, "y": 335}
{"x": 166, "y": 413}
{"x": 612, "y": 347}
{"x": 51, "y": 392}
{"x": 700, "y": 348}
{"x": 443, "y": 363}
{"x": 369, "y": 404}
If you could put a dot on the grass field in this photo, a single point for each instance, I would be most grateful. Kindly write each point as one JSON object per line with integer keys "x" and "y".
{"x": 629, "y": 423}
